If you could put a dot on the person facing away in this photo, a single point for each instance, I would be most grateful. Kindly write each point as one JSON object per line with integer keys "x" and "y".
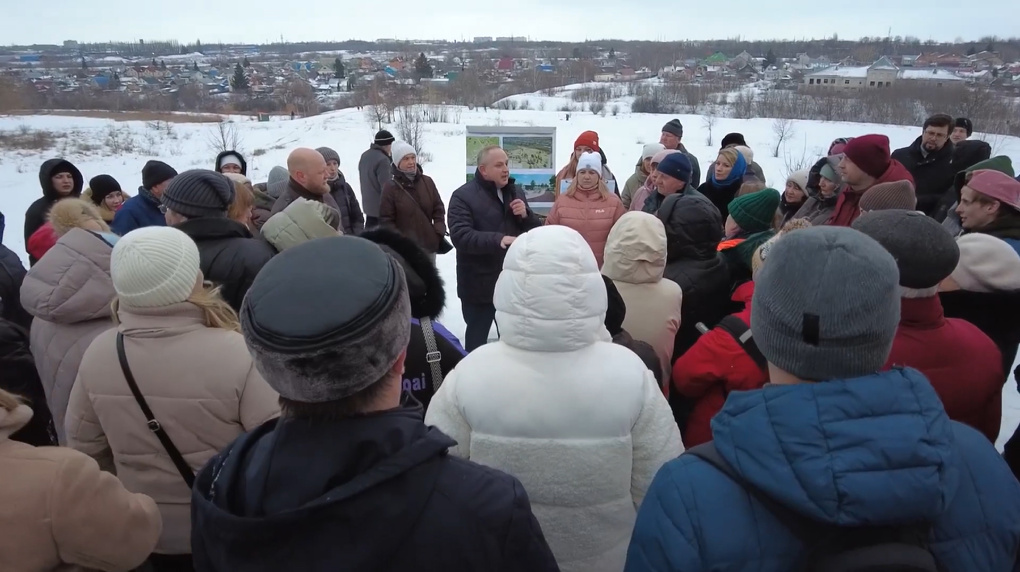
{"x": 990, "y": 204}
{"x": 962, "y": 363}
{"x": 144, "y": 209}
{"x": 61, "y": 510}
{"x": 486, "y": 215}
{"x": 411, "y": 203}
{"x": 580, "y": 420}
{"x": 348, "y": 478}
{"x": 352, "y": 220}
{"x": 588, "y": 206}
{"x": 833, "y": 440}
{"x": 197, "y": 202}
{"x": 309, "y": 176}
{"x": 59, "y": 179}
{"x": 374, "y": 173}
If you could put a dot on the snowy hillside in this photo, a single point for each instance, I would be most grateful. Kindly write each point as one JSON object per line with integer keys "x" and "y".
{"x": 120, "y": 149}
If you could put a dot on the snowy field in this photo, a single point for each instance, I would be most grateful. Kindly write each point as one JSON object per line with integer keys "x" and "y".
{"x": 90, "y": 144}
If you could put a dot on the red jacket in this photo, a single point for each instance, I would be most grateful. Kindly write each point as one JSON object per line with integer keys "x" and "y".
{"x": 848, "y": 204}
{"x": 713, "y": 367}
{"x": 961, "y": 362}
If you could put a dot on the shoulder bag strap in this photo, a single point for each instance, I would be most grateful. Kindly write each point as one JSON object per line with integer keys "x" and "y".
{"x": 742, "y": 334}
{"x": 433, "y": 355}
{"x": 421, "y": 207}
{"x": 182, "y": 466}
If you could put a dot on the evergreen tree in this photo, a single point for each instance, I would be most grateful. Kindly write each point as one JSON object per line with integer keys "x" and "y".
{"x": 195, "y": 66}
{"x": 162, "y": 64}
{"x": 84, "y": 65}
{"x": 246, "y": 63}
{"x": 154, "y": 63}
{"x": 612, "y": 53}
{"x": 770, "y": 58}
{"x": 240, "y": 81}
{"x": 990, "y": 47}
{"x": 338, "y": 67}
{"x": 971, "y": 51}
{"x": 422, "y": 67}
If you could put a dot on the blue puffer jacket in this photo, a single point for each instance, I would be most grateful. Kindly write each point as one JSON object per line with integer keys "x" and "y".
{"x": 137, "y": 212}
{"x": 873, "y": 450}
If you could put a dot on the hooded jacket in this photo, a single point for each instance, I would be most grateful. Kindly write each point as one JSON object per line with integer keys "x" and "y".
{"x": 139, "y": 211}
{"x": 715, "y": 366}
{"x": 62, "y": 512}
{"x": 817, "y": 210}
{"x": 590, "y": 214}
{"x": 372, "y": 492}
{"x": 374, "y": 171}
{"x": 35, "y": 216}
{"x": 352, "y": 220}
{"x": 997, "y": 314}
{"x": 244, "y": 164}
{"x": 932, "y": 174}
{"x": 580, "y": 420}
{"x": 961, "y": 362}
{"x": 832, "y": 451}
{"x": 951, "y": 220}
{"x": 413, "y": 207}
{"x": 848, "y": 204}
{"x": 12, "y": 274}
{"x": 635, "y": 261}
{"x": 21, "y": 378}
{"x": 69, "y": 292}
{"x": 200, "y": 383}
{"x": 230, "y": 256}
{"x": 428, "y": 298}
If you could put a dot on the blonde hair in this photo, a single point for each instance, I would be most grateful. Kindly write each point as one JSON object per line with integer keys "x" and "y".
{"x": 751, "y": 187}
{"x": 9, "y": 401}
{"x": 602, "y": 187}
{"x": 730, "y": 154}
{"x": 244, "y": 201}
{"x": 216, "y": 312}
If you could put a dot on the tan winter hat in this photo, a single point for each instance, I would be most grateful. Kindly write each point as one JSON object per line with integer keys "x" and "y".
{"x": 987, "y": 264}
{"x": 896, "y": 195}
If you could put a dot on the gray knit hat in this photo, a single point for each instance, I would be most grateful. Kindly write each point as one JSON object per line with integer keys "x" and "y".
{"x": 277, "y": 182}
{"x": 827, "y": 304}
{"x": 199, "y": 193}
{"x": 313, "y": 348}
{"x": 329, "y": 154}
{"x": 924, "y": 250}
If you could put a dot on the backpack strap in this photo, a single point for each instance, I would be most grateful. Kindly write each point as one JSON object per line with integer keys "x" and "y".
{"x": 433, "y": 356}
{"x": 182, "y": 466}
{"x": 742, "y": 334}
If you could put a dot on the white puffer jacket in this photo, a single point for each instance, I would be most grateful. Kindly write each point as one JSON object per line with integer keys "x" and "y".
{"x": 577, "y": 419}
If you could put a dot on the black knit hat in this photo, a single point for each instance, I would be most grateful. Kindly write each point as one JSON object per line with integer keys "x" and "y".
{"x": 966, "y": 124}
{"x": 199, "y": 193}
{"x": 156, "y": 172}
{"x": 384, "y": 138}
{"x": 101, "y": 187}
{"x": 733, "y": 139}
{"x": 925, "y": 252}
{"x": 675, "y": 127}
{"x": 329, "y": 154}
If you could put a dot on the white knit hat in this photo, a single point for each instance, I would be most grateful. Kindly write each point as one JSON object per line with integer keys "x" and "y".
{"x": 987, "y": 264}
{"x": 399, "y": 150}
{"x": 154, "y": 266}
{"x": 590, "y": 161}
{"x": 650, "y": 150}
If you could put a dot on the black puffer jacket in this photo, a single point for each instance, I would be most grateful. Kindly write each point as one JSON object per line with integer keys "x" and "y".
{"x": 35, "y": 216}
{"x": 352, "y": 220}
{"x": 479, "y": 217}
{"x": 693, "y": 231}
{"x": 372, "y": 492}
{"x": 997, "y": 314}
{"x": 230, "y": 256}
{"x": 721, "y": 195}
{"x": 12, "y": 274}
{"x": 932, "y": 174}
{"x": 21, "y": 378}
{"x": 968, "y": 154}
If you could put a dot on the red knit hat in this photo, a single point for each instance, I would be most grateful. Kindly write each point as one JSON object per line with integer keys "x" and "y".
{"x": 588, "y": 139}
{"x": 870, "y": 153}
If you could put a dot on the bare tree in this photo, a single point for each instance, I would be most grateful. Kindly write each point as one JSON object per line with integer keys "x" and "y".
{"x": 795, "y": 163}
{"x": 225, "y": 136}
{"x": 411, "y": 127}
{"x": 782, "y": 129}
{"x": 708, "y": 122}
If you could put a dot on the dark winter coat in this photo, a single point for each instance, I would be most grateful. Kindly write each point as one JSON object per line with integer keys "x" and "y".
{"x": 961, "y": 362}
{"x": 479, "y": 218}
{"x": 263, "y": 208}
{"x": 428, "y": 298}
{"x": 3, "y": 226}
{"x": 414, "y": 208}
{"x": 655, "y": 199}
{"x": 721, "y": 195}
{"x": 932, "y": 174}
{"x": 789, "y": 210}
{"x": 352, "y": 220}
{"x": 229, "y": 256}
{"x": 947, "y": 210}
{"x": 294, "y": 191}
{"x": 35, "y": 216}
{"x": 139, "y": 211}
{"x": 373, "y": 492}
{"x": 1006, "y": 227}
{"x": 874, "y": 450}
{"x": 997, "y": 314}
{"x": 969, "y": 153}
{"x": 816, "y": 209}
{"x": 374, "y": 171}
{"x": 244, "y": 164}
{"x": 848, "y": 204}
{"x": 695, "y": 165}
{"x": 12, "y": 274}
{"x": 21, "y": 378}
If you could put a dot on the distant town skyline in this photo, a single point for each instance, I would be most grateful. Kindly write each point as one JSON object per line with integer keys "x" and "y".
{"x": 266, "y": 21}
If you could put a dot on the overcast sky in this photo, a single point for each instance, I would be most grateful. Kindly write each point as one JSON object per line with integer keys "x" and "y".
{"x": 257, "y": 21}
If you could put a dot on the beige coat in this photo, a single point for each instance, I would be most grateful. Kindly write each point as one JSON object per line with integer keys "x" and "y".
{"x": 201, "y": 385}
{"x": 635, "y": 260}
{"x": 61, "y": 512}
{"x": 69, "y": 292}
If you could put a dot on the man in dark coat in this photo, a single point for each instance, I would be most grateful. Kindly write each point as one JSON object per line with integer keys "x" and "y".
{"x": 143, "y": 209}
{"x": 670, "y": 138}
{"x": 930, "y": 161}
{"x": 484, "y": 217}
{"x": 308, "y": 180}
{"x": 231, "y": 162}
{"x": 374, "y": 171}
{"x": 350, "y": 477}
{"x": 352, "y": 220}
{"x": 59, "y": 179}
{"x": 12, "y": 274}
{"x": 196, "y": 202}
{"x": 22, "y": 379}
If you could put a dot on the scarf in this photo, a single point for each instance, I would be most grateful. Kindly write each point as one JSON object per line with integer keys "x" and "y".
{"x": 737, "y": 174}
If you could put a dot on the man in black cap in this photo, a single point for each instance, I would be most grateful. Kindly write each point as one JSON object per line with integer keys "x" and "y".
{"x": 196, "y": 202}
{"x": 672, "y": 133}
{"x": 143, "y": 209}
{"x": 374, "y": 168}
{"x": 349, "y": 477}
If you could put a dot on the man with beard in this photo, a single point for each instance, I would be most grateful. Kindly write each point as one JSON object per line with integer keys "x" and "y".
{"x": 930, "y": 161}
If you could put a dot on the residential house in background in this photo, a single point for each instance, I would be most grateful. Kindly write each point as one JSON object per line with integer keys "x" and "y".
{"x": 881, "y": 74}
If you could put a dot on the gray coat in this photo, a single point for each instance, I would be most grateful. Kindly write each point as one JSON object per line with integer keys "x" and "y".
{"x": 374, "y": 168}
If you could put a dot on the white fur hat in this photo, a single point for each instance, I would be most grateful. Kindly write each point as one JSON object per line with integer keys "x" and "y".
{"x": 590, "y": 161}
{"x": 154, "y": 266}
{"x": 987, "y": 264}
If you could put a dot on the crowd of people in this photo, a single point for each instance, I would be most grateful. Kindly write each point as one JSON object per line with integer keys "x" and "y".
{"x": 213, "y": 374}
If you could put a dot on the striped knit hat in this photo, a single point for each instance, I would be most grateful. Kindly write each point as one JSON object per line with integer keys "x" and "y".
{"x": 154, "y": 267}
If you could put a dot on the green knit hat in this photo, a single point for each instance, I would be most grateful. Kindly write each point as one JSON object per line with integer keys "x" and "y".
{"x": 755, "y": 212}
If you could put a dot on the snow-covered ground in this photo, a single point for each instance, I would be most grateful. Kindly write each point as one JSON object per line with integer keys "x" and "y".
{"x": 87, "y": 143}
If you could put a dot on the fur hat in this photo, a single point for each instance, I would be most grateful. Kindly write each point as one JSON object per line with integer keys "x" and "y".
{"x": 650, "y": 150}
{"x": 102, "y": 186}
{"x": 312, "y": 348}
{"x": 588, "y": 139}
{"x": 733, "y": 139}
{"x": 74, "y": 213}
{"x": 329, "y": 154}
{"x": 301, "y": 221}
{"x": 591, "y": 162}
{"x": 987, "y": 264}
{"x": 924, "y": 251}
{"x": 889, "y": 196}
{"x": 870, "y": 153}
{"x": 154, "y": 267}
{"x": 425, "y": 286}
{"x": 399, "y": 150}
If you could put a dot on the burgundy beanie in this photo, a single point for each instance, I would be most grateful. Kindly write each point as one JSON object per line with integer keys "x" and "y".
{"x": 870, "y": 153}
